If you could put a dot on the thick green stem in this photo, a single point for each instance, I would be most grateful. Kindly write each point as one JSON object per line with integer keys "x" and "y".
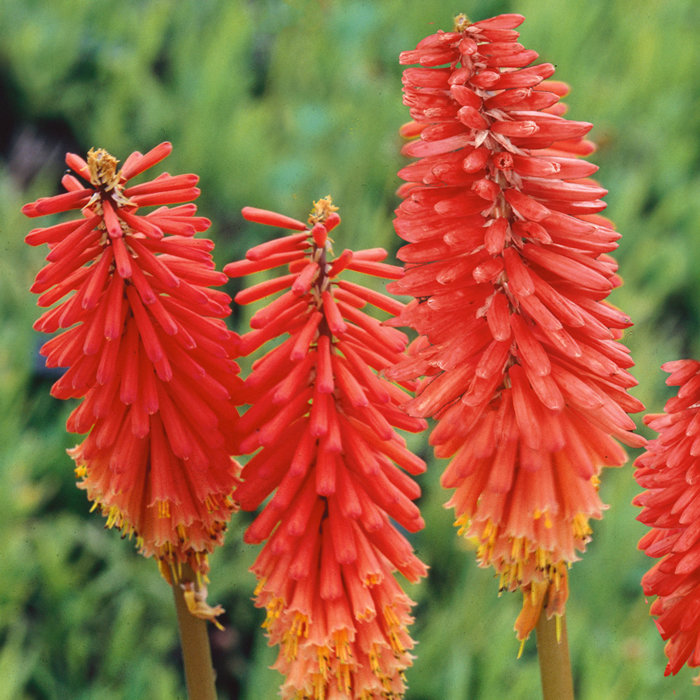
{"x": 553, "y": 653}
{"x": 196, "y": 654}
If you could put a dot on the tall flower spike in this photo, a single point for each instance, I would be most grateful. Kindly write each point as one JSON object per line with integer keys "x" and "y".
{"x": 507, "y": 261}
{"x": 321, "y": 420}
{"x": 669, "y": 472}
{"x": 147, "y": 351}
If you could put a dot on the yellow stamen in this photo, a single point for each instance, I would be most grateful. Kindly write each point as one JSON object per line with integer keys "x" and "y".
{"x": 342, "y": 647}
{"x": 580, "y": 526}
{"x": 299, "y": 628}
{"x": 374, "y": 661}
{"x": 324, "y": 655}
{"x": 274, "y": 609}
{"x": 260, "y": 585}
{"x": 342, "y": 675}
{"x": 321, "y": 210}
{"x": 319, "y": 686}
{"x": 372, "y": 579}
{"x": 461, "y": 22}
{"x": 103, "y": 168}
{"x": 463, "y": 524}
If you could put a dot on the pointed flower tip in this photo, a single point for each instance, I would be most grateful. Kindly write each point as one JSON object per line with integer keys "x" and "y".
{"x": 411, "y": 129}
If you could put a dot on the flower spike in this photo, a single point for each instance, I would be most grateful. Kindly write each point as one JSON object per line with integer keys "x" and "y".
{"x": 148, "y": 353}
{"x": 507, "y": 261}
{"x": 669, "y": 471}
{"x": 321, "y": 425}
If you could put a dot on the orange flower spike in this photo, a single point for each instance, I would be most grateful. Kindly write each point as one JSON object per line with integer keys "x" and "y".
{"x": 507, "y": 261}
{"x": 148, "y": 353}
{"x": 669, "y": 471}
{"x": 325, "y": 422}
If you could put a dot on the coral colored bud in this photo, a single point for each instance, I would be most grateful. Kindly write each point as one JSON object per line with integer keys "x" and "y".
{"x": 320, "y": 234}
{"x": 270, "y": 218}
{"x": 471, "y": 117}
{"x": 486, "y": 189}
{"x": 340, "y": 263}
{"x": 475, "y": 160}
{"x": 332, "y": 220}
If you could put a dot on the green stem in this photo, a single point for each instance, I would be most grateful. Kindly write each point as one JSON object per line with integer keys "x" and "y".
{"x": 196, "y": 654}
{"x": 553, "y": 654}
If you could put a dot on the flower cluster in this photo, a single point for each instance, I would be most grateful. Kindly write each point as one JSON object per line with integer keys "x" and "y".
{"x": 670, "y": 472}
{"x": 147, "y": 351}
{"x": 322, "y": 422}
{"x": 507, "y": 262}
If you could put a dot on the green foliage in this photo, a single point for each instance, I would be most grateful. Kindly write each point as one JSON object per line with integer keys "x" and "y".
{"x": 274, "y": 104}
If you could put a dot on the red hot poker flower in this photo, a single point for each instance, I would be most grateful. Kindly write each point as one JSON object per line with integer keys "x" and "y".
{"x": 507, "y": 261}
{"x": 669, "y": 472}
{"x": 323, "y": 420}
{"x": 147, "y": 351}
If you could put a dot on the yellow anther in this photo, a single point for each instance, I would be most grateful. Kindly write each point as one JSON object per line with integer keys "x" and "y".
{"x": 342, "y": 648}
{"x": 342, "y": 674}
{"x": 323, "y": 654}
{"x": 103, "y": 168}
{"x": 374, "y": 660}
{"x": 461, "y": 22}
{"x": 321, "y": 210}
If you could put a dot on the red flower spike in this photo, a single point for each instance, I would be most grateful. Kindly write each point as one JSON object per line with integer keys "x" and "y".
{"x": 325, "y": 421}
{"x": 148, "y": 353}
{"x": 506, "y": 259}
{"x": 669, "y": 471}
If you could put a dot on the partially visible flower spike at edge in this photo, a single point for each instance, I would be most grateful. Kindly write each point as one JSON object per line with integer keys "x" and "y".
{"x": 148, "y": 353}
{"x": 322, "y": 425}
{"x": 507, "y": 259}
{"x": 670, "y": 472}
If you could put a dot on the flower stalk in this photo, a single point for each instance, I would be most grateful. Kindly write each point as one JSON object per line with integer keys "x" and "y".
{"x": 553, "y": 656}
{"x": 194, "y": 640}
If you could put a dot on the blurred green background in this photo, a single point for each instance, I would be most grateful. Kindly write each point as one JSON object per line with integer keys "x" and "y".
{"x": 274, "y": 104}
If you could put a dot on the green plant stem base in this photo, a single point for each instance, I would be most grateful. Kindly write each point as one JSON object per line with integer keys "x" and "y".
{"x": 196, "y": 653}
{"x": 553, "y": 654}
